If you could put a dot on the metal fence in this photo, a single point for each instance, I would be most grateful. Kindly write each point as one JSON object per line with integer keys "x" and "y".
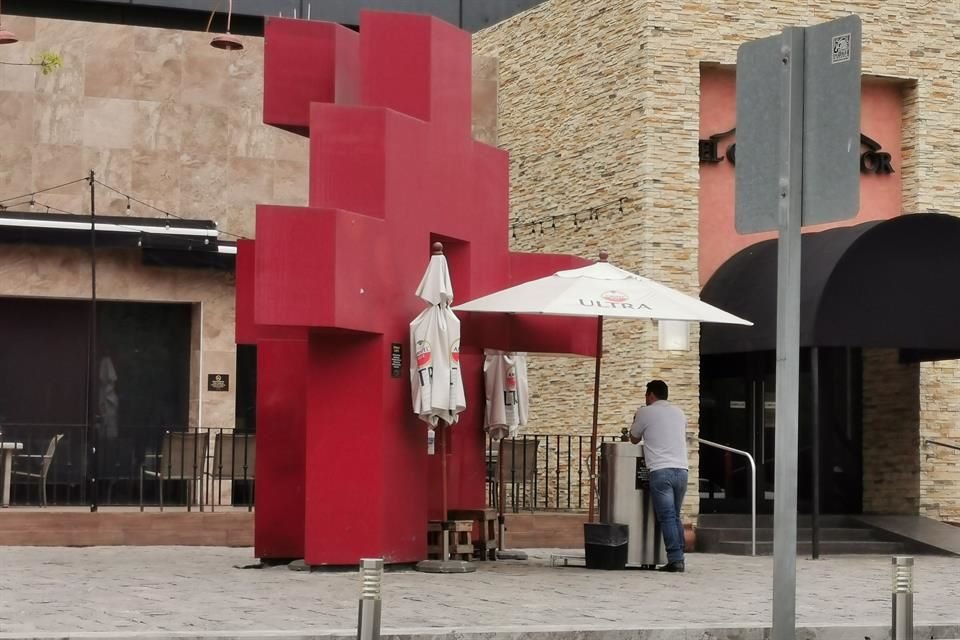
{"x": 148, "y": 467}
{"x": 157, "y": 468}
{"x": 541, "y": 472}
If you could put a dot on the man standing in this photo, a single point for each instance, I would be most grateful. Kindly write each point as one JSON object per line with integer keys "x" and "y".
{"x": 663, "y": 429}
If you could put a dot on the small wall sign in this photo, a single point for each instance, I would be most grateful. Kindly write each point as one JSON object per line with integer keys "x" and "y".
{"x": 218, "y": 382}
{"x": 396, "y": 359}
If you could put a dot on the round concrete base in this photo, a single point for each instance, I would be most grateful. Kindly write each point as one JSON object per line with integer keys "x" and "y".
{"x": 445, "y": 566}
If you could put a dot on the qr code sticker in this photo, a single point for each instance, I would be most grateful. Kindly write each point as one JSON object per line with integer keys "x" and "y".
{"x": 841, "y": 49}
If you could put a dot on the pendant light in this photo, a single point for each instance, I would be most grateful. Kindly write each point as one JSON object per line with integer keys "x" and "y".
{"x": 7, "y": 37}
{"x": 227, "y": 41}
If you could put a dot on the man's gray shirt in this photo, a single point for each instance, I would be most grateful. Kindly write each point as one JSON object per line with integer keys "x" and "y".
{"x": 663, "y": 429}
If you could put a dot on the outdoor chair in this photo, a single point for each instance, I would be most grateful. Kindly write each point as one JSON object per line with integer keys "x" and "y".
{"x": 38, "y": 467}
{"x": 234, "y": 458}
{"x": 519, "y": 459}
{"x": 181, "y": 457}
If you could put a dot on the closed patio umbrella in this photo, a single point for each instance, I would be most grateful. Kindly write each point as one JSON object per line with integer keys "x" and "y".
{"x": 435, "y": 380}
{"x": 507, "y": 392}
{"x": 507, "y": 408}
{"x": 436, "y": 385}
{"x": 599, "y": 290}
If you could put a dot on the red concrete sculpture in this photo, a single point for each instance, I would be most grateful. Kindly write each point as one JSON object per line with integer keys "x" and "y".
{"x": 327, "y": 290}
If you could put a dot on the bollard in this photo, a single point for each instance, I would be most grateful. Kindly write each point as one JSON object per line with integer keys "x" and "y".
{"x": 368, "y": 623}
{"x": 902, "y": 624}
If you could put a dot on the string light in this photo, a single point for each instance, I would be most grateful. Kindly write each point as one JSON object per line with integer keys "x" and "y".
{"x": 31, "y": 194}
{"x": 166, "y": 213}
{"x": 539, "y": 225}
{"x": 9, "y": 203}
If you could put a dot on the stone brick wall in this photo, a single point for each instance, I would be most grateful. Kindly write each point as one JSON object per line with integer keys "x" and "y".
{"x": 940, "y": 420}
{"x": 600, "y": 100}
{"x": 891, "y": 410}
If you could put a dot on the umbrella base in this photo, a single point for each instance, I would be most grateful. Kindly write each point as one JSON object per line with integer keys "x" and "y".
{"x": 445, "y": 566}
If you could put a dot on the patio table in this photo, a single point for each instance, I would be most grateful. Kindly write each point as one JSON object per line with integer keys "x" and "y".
{"x": 6, "y": 463}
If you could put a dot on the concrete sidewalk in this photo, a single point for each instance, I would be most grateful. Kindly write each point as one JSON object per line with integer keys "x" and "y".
{"x": 193, "y": 592}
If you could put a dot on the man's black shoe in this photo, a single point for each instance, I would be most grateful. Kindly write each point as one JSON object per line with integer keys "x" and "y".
{"x": 672, "y": 567}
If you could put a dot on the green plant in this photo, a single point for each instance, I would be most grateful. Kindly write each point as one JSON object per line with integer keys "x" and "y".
{"x": 48, "y": 61}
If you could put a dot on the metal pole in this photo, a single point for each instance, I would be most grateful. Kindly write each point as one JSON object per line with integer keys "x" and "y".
{"x": 788, "y": 337}
{"x": 902, "y": 621}
{"x": 368, "y": 620}
{"x": 501, "y": 493}
{"x": 815, "y": 429}
{"x": 593, "y": 433}
{"x": 92, "y": 379}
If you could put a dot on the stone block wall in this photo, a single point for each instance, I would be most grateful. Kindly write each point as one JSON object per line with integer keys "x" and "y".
{"x": 599, "y": 100}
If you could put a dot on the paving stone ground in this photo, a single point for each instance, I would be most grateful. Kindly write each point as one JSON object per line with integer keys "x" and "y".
{"x": 192, "y": 589}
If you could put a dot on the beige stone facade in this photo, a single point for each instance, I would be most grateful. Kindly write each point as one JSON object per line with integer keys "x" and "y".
{"x": 161, "y": 116}
{"x": 599, "y": 100}
{"x": 599, "y": 107}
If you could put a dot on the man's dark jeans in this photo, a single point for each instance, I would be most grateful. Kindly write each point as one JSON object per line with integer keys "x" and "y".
{"x": 667, "y": 488}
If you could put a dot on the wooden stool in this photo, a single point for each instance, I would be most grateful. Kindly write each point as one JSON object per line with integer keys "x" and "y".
{"x": 459, "y": 534}
{"x": 485, "y": 524}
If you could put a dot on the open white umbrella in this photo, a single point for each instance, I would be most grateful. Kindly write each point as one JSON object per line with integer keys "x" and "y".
{"x": 435, "y": 381}
{"x": 599, "y": 290}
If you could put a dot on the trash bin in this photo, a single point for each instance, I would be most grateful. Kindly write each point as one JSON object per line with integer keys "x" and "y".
{"x": 625, "y": 497}
{"x": 605, "y": 545}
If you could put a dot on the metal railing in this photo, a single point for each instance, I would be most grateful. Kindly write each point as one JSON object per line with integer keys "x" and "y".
{"x": 541, "y": 472}
{"x": 941, "y": 443}
{"x": 149, "y": 466}
{"x": 157, "y": 468}
{"x": 753, "y": 489}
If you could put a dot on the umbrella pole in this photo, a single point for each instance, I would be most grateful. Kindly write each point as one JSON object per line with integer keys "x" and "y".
{"x": 593, "y": 434}
{"x": 445, "y": 524}
{"x": 502, "y": 494}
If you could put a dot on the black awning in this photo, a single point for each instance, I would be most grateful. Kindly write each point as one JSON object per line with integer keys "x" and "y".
{"x": 878, "y": 284}
{"x": 163, "y": 241}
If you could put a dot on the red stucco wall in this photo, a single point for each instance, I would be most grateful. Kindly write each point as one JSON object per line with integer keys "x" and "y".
{"x": 880, "y": 195}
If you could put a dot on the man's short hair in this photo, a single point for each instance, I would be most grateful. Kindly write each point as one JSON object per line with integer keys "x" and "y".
{"x": 658, "y": 388}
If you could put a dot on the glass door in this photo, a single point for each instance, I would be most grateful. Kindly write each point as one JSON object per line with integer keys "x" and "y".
{"x": 737, "y": 409}
{"x": 727, "y": 418}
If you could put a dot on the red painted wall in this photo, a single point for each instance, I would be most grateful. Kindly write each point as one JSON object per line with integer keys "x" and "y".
{"x": 393, "y": 168}
{"x": 281, "y": 419}
{"x": 880, "y": 195}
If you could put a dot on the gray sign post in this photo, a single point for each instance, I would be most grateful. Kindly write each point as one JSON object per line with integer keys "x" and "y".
{"x": 798, "y": 134}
